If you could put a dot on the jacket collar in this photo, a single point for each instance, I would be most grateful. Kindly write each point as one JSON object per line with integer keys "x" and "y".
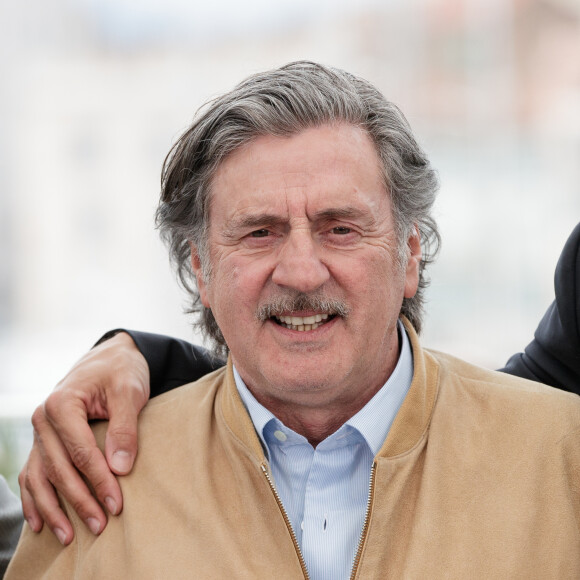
{"x": 414, "y": 416}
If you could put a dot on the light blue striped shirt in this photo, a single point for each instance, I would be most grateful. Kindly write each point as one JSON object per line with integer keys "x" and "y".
{"x": 325, "y": 489}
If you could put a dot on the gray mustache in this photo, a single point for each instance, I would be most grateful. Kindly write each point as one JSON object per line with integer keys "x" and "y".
{"x": 284, "y": 304}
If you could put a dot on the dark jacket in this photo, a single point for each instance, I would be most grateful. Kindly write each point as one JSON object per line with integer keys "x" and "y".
{"x": 553, "y": 357}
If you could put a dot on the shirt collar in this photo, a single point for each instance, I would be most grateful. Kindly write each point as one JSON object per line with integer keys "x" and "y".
{"x": 258, "y": 413}
{"x": 373, "y": 421}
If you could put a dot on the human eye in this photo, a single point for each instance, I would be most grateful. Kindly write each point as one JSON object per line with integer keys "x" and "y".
{"x": 341, "y": 234}
{"x": 260, "y": 238}
{"x": 261, "y": 233}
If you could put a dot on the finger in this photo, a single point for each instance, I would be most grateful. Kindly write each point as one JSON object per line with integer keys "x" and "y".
{"x": 55, "y": 468}
{"x": 31, "y": 514}
{"x": 34, "y": 487}
{"x": 124, "y": 404}
{"x": 69, "y": 420}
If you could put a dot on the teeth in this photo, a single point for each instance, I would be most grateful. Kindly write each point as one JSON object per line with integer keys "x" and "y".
{"x": 302, "y": 327}
{"x": 302, "y": 323}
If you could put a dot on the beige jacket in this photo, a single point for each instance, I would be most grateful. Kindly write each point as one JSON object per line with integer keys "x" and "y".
{"x": 479, "y": 477}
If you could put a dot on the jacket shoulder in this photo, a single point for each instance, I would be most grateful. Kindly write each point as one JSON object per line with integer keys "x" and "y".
{"x": 509, "y": 399}
{"x": 190, "y": 404}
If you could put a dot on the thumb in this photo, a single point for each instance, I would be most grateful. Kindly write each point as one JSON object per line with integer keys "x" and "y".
{"x": 121, "y": 438}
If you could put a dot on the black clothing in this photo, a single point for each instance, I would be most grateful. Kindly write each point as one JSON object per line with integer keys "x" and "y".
{"x": 172, "y": 362}
{"x": 553, "y": 357}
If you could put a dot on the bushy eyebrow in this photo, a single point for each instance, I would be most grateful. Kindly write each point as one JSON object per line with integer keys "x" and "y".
{"x": 260, "y": 220}
{"x": 251, "y": 221}
{"x": 340, "y": 213}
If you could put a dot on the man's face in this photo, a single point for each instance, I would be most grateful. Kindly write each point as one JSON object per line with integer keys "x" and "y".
{"x": 301, "y": 228}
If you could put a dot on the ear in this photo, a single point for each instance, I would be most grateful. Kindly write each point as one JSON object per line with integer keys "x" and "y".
{"x": 412, "y": 272}
{"x": 201, "y": 283}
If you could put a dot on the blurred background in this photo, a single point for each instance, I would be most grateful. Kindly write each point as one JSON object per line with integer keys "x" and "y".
{"x": 94, "y": 93}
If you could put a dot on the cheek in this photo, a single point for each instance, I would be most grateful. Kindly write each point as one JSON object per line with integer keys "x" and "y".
{"x": 249, "y": 277}
{"x": 369, "y": 275}
{"x": 376, "y": 287}
{"x": 237, "y": 284}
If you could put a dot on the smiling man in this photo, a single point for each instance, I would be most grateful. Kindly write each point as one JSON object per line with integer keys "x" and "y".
{"x": 332, "y": 445}
{"x": 301, "y": 228}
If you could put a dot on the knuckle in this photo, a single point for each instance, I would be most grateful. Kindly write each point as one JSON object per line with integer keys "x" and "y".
{"x": 38, "y": 418}
{"x": 22, "y": 478}
{"x": 81, "y": 457}
{"x": 125, "y": 382}
{"x": 123, "y": 431}
{"x": 52, "y": 406}
{"x": 27, "y": 479}
{"x": 80, "y": 507}
{"x": 54, "y": 472}
{"x": 100, "y": 486}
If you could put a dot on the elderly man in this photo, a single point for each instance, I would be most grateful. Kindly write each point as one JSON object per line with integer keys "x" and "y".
{"x": 297, "y": 209}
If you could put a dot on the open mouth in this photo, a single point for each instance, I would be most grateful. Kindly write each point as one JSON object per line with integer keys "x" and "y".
{"x": 303, "y": 323}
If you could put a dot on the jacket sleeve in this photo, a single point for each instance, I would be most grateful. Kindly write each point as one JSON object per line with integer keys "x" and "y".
{"x": 553, "y": 357}
{"x": 172, "y": 362}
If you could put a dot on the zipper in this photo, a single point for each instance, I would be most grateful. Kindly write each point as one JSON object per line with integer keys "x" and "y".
{"x": 365, "y": 527}
{"x": 363, "y": 533}
{"x": 287, "y": 521}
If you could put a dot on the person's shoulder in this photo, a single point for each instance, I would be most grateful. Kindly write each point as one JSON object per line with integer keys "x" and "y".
{"x": 497, "y": 383}
{"x": 190, "y": 394}
{"x": 190, "y": 403}
{"x": 499, "y": 395}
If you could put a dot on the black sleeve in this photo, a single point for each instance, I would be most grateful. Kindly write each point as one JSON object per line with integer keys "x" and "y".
{"x": 553, "y": 357}
{"x": 172, "y": 362}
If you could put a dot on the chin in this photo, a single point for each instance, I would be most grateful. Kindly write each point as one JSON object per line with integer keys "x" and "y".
{"x": 307, "y": 379}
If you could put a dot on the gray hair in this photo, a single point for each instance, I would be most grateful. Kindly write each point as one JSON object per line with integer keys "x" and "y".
{"x": 283, "y": 102}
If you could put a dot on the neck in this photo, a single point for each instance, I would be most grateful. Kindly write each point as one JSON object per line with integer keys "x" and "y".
{"x": 317, "y": 425}
{"x": 314, "y": 415}
{"x": 316, "y": 410}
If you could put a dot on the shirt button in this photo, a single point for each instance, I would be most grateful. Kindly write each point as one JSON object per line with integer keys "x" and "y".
{"x": 280, "y": 435}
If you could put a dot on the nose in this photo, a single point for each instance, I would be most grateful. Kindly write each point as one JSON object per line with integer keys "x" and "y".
{"x": 299, "y": 266}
